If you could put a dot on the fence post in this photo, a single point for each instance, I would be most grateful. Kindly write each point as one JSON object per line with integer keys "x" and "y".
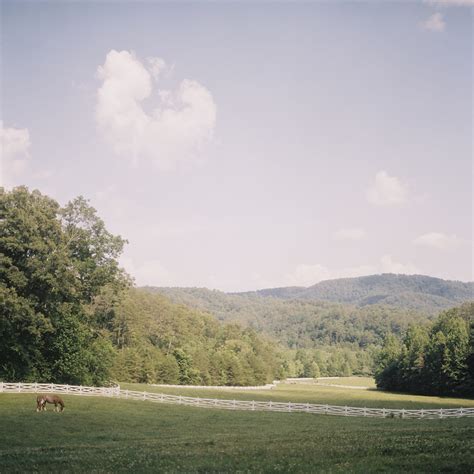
{"x": 126, "y": 393}
{"x": 422, "y": 413}
{"x": 327, "y": 408}
{"x": 289, "y": 407}
{"x": 461, "y": 412}
{"x": 307, "y": 407}
{"x": 161, "y": 397}
{"x": 144, "y": 395}
{"x": 403, "y": 412}
{"x": 253, "y": 405}
{"x": 1, "y": 386}
{"x": 383, "y": 413}
{"x": 365, "y": 411}
{"x": 345, "y": 410}
{"x": 441, "y": 413}
{"x": 179, "y": 400}
{"x": 270, "y": 405}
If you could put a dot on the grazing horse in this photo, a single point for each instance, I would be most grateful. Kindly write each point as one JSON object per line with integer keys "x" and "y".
{"x": 41, "y": 401}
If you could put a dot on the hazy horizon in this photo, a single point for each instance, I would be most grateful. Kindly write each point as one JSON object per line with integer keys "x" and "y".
{"x": 296, "y": 286}
{"x": 241, "y": 146}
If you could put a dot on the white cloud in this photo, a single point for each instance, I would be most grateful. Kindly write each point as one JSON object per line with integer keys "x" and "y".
{"x": 174, "y": 131}
{"x": 434, "y": 23}
{"x": 14, "y": 153}
{"x": 438, "y": 240}
{"x": 388, "y": 265}
{"x": 355, "y": 233}
{"x": 157, "y": 67}
{"x": 307, "y": 275}
{"x": 386, "y": 190}
{"x": 151, "y": 272}
{"x": 450, "y": 3}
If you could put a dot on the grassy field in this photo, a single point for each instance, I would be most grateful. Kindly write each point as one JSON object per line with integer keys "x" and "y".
{"x": 354, "y": 381}
{"x": 105, "y": 435}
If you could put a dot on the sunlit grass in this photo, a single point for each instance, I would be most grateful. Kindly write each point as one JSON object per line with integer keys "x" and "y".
{"x": 114, "y": 435}
{"x": 354, "y": 381}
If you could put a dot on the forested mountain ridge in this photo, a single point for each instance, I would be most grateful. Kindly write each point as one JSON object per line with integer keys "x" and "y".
{"x": 299, "y": 323}
{"x": 359, "y": 311}
{"x": 418, "y": 292}
{"x": 158, "y": 341}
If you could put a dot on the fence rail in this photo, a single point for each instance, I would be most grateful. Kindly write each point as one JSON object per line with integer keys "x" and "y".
{"x": 248, "y": 405}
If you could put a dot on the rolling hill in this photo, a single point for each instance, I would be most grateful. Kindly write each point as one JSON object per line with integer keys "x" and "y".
{"x": 418, "y": 292}
{"x": 356, "y": 311}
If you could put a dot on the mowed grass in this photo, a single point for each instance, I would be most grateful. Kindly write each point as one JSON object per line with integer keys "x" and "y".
{"x": 354, "y": 381}
{"x": 314, "y": 393}
{"x": 105, "y": 434}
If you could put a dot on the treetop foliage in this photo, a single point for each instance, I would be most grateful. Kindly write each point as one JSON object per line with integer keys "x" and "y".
{"x": 53, "y": 262}
{"x": 432, "y": 360}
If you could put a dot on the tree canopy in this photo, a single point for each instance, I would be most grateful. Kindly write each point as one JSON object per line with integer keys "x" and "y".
{"x": 436, "y": 360}
{"x": 53, "y": 262}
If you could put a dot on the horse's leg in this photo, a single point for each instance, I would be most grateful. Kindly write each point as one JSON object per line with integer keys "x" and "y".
{"x": 39, "y": 403}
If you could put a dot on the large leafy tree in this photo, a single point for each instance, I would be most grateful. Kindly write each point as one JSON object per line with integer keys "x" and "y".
{"x": 54, "y": 262}
{"x": 449, "y": 351}
{"x": 436, "y": 362}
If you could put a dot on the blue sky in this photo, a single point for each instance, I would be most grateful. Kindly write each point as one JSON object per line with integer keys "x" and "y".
{"x": 246, "y": 145}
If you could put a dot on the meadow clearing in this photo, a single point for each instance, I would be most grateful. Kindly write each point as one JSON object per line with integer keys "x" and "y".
{"x": 107, "y": 434}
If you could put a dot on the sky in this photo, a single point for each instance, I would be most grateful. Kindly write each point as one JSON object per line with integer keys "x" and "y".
{"x": 246, "y": 145}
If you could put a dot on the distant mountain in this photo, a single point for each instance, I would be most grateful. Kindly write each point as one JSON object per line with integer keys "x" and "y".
{"x": 358, "y": 311}
{"x": 418, "y": 292}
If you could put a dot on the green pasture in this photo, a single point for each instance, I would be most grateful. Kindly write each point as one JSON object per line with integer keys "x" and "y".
{"x": 354, "y": 381}
{"x": 96, "y": 434}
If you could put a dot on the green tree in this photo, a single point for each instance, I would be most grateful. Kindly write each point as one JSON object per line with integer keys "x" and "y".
{"x": 53, "y": 262}
{"x": 448, "y": 353}
{"x": 387, "y": 372}
{"x": 412, "y": 360}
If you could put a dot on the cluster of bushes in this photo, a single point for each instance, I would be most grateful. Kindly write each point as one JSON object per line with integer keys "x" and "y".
{"x": 436, "y": 359}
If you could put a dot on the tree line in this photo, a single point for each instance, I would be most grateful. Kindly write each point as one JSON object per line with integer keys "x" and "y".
{"x": 70, "y": 314}
{"x": 436, "y": 359}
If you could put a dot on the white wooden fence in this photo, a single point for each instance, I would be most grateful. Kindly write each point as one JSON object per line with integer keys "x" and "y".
{"x": 290, "y": 407}
{"x": 268, "y": 386}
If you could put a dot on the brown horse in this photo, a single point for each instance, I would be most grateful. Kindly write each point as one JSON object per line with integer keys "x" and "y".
{"x": 41, "y": 401}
